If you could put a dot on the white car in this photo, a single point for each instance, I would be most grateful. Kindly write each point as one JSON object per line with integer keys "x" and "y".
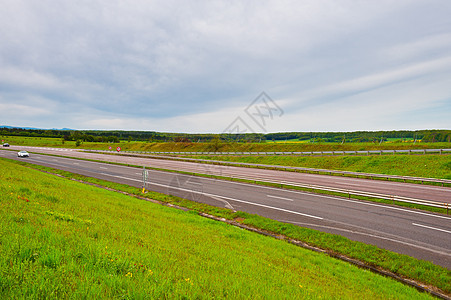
{"x": 23, "y": 154}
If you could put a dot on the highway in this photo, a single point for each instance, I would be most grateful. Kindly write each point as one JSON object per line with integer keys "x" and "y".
{"x": 425, "y": 192}
{"x": 416, "y": 233}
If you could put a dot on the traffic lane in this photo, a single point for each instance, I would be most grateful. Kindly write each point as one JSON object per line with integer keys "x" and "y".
{"x": 441, "y": 194}
{"x": 283, "y": 215}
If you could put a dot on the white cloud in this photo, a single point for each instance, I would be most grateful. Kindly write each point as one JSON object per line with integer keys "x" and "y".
{"x": 174, "y": 65}
{"x": 18, "y": 77}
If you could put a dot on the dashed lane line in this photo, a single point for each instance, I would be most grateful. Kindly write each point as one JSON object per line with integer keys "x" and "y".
{"x": 281, "y": 198}
{"x": 433, "y": 228}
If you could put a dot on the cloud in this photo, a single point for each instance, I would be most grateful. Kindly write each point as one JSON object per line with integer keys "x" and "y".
{"x": 182, "y": 66}
{"x": 22, "y": 78}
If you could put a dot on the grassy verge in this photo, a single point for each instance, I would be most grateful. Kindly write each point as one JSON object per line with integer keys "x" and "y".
{"x": 28, "y": 219}
{"x": 428, "y": 166}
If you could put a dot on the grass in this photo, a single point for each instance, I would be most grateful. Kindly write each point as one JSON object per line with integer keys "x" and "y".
{"x": 429, "y": 166}
{"x": 52, "y": 228}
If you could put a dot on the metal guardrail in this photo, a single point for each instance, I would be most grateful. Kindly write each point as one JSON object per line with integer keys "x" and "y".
{"x": 364, "y": 152}
{"x": 303, "y": 169}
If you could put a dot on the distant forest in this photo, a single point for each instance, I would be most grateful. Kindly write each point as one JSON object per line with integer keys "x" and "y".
{"x": 152, "y": 136}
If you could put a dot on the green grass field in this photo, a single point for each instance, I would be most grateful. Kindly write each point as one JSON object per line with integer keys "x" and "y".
{"x": 63, "y": 239}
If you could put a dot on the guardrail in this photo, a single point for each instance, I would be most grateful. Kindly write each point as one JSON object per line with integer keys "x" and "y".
{"x": 303, "y": 169}
{"x": 363, "y": 152}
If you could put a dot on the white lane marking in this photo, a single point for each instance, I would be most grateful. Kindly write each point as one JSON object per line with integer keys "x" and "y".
{"x": 76, "y": 163}
{"x": 226, "y": 203}
{"x": 371, "y": 235}
{"x": 198, "y": 183}
{"x": 224, "y": 197}
{"x": 346, "y": 183}
{"x": 433, "y": 228}
{"x": 104, "y": 168}
{"x": 281, "y": 198}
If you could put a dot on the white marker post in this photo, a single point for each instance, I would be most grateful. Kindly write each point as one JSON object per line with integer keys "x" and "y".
{"x": 145, "y": 176}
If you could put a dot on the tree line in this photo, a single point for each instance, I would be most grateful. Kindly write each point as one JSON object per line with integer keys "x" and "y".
{"x": 114, "y": 136}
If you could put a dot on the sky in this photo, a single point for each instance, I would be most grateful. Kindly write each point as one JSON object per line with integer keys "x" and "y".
{"x": 226, "y": 66}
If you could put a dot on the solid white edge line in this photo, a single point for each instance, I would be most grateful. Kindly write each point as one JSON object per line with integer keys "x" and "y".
{"x": 433, "y": 228}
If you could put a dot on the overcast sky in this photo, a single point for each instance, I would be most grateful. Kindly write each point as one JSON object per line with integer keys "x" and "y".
{"x": 195, "y": 66}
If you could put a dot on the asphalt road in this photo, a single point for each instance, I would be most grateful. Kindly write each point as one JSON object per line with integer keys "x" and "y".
{"x": 419, "y": 234}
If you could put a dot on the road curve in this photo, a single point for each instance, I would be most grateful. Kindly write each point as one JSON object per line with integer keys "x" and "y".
{"x": 419, "y": 234}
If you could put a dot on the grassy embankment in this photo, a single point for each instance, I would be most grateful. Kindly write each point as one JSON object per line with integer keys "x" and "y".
{"x": 61, "y": 238}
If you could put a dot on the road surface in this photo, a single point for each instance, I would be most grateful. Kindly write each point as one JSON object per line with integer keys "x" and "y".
{"x": 417, "y": 191}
